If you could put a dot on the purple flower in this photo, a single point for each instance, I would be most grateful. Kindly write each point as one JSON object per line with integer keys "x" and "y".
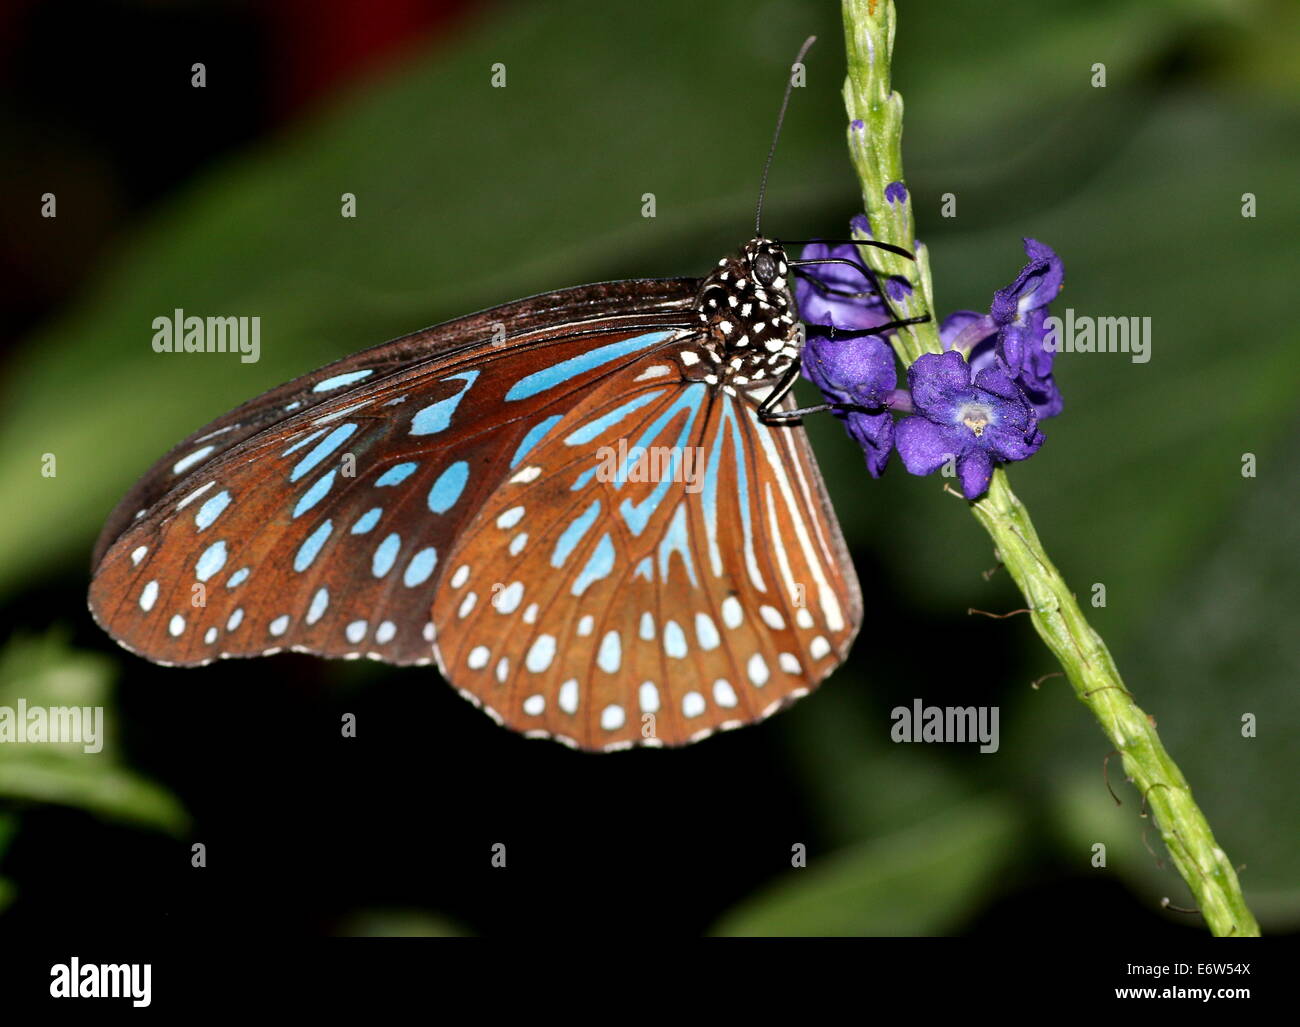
{"x": 857, "y": 371}
{"x": 979, "y": 422}
{"x": 1012, "y": 333}
{"x": 836, "y": 295}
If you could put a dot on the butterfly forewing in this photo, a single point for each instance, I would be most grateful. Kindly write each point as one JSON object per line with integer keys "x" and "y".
{"x": 270, "y": 543}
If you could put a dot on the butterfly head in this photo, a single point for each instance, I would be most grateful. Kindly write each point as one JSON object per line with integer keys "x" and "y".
{"x": 750, "y": 311}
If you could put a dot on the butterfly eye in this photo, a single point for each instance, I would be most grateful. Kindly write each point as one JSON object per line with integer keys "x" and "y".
{"x": 765, "y": 268}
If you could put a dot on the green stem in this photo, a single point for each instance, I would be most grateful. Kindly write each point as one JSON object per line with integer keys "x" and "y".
{"x": 877, "y": 156}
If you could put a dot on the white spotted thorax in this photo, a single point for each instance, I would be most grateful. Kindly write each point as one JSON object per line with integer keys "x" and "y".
{"x": 752, "y": 320}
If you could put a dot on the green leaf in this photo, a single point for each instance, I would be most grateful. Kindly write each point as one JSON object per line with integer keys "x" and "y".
{"x": 919, "y": 881}
{"x": 398, "y": 923}
{"x": 43, "y": 673}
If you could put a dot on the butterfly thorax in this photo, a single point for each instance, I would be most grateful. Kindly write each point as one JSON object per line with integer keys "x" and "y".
{"x": 750, "y": 313}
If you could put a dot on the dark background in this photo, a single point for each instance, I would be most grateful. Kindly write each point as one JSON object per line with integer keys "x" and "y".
{"x": 226, "y": 199}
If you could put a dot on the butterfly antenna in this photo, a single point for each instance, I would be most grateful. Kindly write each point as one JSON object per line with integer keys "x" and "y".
{"x": 767, "y": 164}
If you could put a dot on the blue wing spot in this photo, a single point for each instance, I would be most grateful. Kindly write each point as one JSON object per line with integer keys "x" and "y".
{"x": 324, "y": 448}
{"x": 339, "y": 380}
{"x": 367, "y": 520}
{"x": 594, "y": 429}
{"x": 396, "y": 474}
{"x": 306, "y": 439}
{"x": 675, "y": 540}
{"x": 573, "y": 534}
{"x": 238, "y": 578}
{"x": 447, "y": 489}
{"x": 385, "y": 555}
{"x": 584, "y": 478}
{"x": 309, "y": 550}
{"x": 706, "y": 631}
{"x": 421, "y": 566}
{"x": 211, "y": 510}
{"x": 315, "y": 494}
{"x": 535, "y": 435}
{"x": 599, "y": 566}
{"x": 437, "y": 416}
{"x": 212, "y": 560}
{"x": 638, "y": 515}
{"x": 558, "y": 374}
{"x": 674, "y": 640}
{"x": 610, "y": 656}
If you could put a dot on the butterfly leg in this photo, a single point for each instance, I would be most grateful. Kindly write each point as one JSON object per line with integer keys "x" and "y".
{"x": 767, "y": 412}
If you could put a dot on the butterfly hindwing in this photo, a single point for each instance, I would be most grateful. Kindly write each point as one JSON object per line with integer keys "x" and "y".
{"x": 660, "y": 565}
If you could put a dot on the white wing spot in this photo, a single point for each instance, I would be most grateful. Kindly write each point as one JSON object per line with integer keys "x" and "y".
{"x": 569, "y": 696}
{"x": 612, "y": 717}
{"x": 723, "y": 694}
{"x": 509, "y": 598}
{"x": 540, "y": 655}
{"x": 510, "y": 518}
{"x": 648, "y": 696}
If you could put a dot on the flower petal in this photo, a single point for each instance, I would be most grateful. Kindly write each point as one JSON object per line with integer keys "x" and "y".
{"x": 974, "y": 470}
{"x": 875, "y": 434}
{"x": 936, "y": 378}
{"x": 925, "y": 446}
{"x": 855, "y": 369}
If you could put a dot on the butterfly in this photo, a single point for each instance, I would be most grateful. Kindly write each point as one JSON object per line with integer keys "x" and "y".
{"x": 595, "y": 510}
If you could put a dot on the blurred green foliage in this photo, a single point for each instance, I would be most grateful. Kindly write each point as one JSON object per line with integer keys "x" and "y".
{"x": 469, "y": 196}
{"x": 45, "y": 673}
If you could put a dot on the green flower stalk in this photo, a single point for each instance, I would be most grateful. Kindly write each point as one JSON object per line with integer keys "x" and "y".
{"x": 875, "y": 135}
